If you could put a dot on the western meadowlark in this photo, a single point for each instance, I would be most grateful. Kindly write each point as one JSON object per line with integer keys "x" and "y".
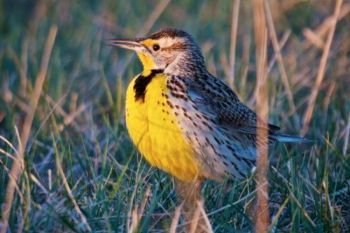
{"x": 184, "y": 120}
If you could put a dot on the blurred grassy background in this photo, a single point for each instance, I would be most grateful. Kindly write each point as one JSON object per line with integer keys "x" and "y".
{"x": 79, "y": 150}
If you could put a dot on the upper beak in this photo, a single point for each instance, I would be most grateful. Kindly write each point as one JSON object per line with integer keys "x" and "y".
{"x": 127, "y": 44}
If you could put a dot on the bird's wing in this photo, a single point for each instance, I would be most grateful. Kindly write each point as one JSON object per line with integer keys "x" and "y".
{"x": 221, "y": 129}
{"x": 213, "y": 95}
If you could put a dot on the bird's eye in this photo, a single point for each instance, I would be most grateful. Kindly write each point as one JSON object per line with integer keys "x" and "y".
{"x": 156, "y": 47}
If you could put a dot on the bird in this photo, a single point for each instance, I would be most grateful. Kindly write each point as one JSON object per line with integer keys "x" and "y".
{"x": 188, "y": 123}
{"x": 185, "y": 121}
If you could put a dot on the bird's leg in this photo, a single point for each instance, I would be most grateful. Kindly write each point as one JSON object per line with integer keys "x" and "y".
{"x": 190, "y": 196}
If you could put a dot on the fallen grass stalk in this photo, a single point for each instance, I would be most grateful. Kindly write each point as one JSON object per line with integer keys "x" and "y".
{"x": 17, "y": 168}
{"x": 321, "y": 31}
{"x": 313, "y": 38}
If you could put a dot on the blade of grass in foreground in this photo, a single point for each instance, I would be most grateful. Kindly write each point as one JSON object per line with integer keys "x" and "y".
{"x": 262, "y": 205}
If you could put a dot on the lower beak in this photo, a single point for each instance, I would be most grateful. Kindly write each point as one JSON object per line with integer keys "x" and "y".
{"x": 126, "y": 43}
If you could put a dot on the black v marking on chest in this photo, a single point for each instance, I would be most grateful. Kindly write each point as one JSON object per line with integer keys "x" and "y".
{"x": 142, "y": 82}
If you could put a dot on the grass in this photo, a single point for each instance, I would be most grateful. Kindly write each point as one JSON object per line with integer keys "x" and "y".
{"x": 79, "y": 163}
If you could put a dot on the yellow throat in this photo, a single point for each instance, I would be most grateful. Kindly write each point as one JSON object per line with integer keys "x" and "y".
{"x": 153, "y": 126}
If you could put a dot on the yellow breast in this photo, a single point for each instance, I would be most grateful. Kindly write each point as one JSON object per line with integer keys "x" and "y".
{"x": 154, "y": 129}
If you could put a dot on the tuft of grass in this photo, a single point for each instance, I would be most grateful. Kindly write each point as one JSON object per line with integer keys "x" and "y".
{"x": 78, "y": 161}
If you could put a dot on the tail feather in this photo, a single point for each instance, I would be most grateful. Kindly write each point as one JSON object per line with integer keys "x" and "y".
{"x": 290, "y": 138}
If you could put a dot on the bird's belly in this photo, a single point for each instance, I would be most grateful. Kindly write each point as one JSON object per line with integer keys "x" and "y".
{"x": 155, "y": 131}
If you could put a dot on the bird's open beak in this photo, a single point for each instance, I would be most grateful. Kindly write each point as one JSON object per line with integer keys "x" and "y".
{"x": 127, "y": 44}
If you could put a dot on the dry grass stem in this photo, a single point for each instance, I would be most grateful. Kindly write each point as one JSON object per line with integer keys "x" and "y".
{"x": 17, "y": 169}
{"x": 234, "y": 27}
{"x": 84, "y": 222}
{"x": 137, "y": 212}
{"x": 209, "y": 228}
{"x": 245, "y": 59}
{"x": 313, "y": 38}
{"x": 39, "y": 184}
{"x": 330, "y": 93}
{"x": 322, "y": 69}
{"x": 282, "y": 43}
{"x": 144, "y": 202}
{"x": 9, "y": 155}
{"x": 278, "y": 214}
{"x": 133, "y": 220}
{"x": 24, "y": 68}
{"x": 158, "y": 10}
{"x": 195, "y": 220}
{"x": 262, "y": 212}
{"x": 8, "y": 143}
{"x": 326, "y": 25}
{"x": 146, "y": 27}
{"x": 346, "y": 137}
{"x": 175, "y": 220}
{"x": 277, "y": 47}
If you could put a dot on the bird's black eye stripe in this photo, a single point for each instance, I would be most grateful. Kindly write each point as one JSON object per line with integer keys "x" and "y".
{"x": 156, "y": 47}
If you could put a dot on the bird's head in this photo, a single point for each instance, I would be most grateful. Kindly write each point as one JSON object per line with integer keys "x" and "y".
{"x": 170, "y": 50}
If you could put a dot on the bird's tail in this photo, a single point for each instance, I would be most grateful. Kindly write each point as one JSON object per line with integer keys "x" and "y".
{"x": 290, "y": 138}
